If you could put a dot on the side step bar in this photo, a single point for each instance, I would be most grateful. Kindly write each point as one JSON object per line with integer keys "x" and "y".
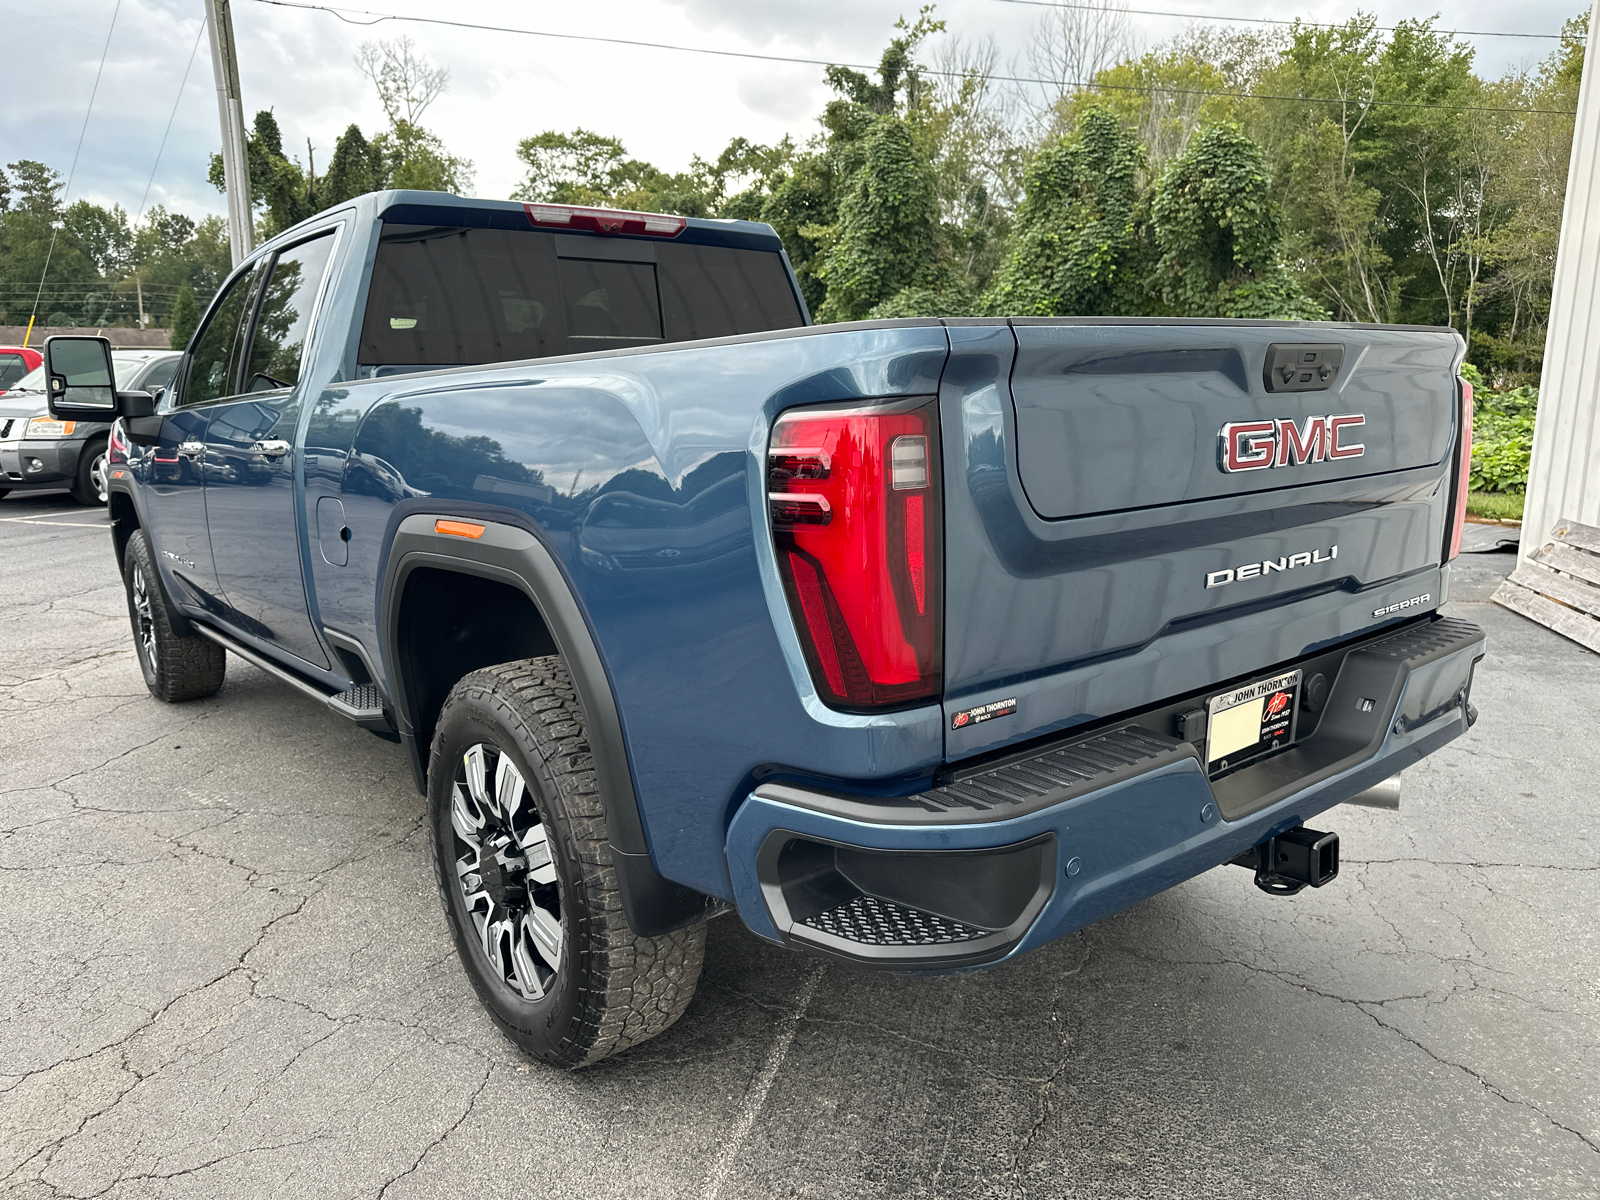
{"x": 362, "y": 705}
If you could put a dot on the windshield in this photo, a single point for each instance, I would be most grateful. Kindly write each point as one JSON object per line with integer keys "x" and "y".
{"x": 126, "y": 367}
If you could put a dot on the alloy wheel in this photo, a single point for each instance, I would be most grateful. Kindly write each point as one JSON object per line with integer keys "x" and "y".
{"x": 98, "y": 474}
{"x": 506, "y": 872}
{"x": 144, "y": 616}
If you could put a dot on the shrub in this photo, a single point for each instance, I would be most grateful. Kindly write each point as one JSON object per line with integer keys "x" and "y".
{"x": 1502, "y": 439}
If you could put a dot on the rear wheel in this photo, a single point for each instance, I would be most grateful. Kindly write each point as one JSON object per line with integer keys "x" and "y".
{"x": 524, "y": 867}
{"x": 175, "y": 668}
{"x": 89, "y": 484}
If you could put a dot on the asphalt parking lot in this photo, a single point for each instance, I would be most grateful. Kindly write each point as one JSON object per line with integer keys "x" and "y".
{"x": 224, "y": 972}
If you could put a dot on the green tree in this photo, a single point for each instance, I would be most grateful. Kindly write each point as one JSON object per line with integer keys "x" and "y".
{"x": 36, "y": 230}
{"x": 1217, "y": 229}
{"x": 418, "y": 160}
{"x": 1077, "y": 248}
{"x": 185, "y": 318}
{"x": 279, "y": 186}
{"x": 886, "y": 239}
{"x": 407, "y": 85}
{"x": 355, "y": 168}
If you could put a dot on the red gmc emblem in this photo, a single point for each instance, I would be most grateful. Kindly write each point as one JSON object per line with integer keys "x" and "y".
{"x": 1258, "y": 445}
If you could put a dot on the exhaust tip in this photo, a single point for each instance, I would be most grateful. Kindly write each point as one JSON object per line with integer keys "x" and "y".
{"x": 1379, "y": 795}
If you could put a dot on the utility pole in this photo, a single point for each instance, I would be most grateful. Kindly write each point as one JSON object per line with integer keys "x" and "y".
{"x": 235, "y": 166}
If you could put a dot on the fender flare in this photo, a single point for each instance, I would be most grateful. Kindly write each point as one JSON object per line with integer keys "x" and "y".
{"x": 512, "y": 555}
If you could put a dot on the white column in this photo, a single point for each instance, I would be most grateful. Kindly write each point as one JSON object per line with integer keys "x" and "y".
{"x": 1564, "y": 479}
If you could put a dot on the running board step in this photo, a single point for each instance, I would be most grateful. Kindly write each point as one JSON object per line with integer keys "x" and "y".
{"x": 363, "y": 704}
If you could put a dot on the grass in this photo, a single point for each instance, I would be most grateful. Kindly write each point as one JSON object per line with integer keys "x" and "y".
{"x": 1499, "y": 506}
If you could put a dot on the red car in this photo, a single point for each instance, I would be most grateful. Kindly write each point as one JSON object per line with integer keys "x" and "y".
{"x": 15, "y": 362}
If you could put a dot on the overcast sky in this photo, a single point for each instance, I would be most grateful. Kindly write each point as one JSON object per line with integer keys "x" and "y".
{"x": 664, "y": 105}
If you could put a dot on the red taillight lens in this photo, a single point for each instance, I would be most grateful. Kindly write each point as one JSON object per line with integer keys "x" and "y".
{"x": 1463, "y": 471}
{"x": 854, "y": 494}
{"x": 116, "y": 445}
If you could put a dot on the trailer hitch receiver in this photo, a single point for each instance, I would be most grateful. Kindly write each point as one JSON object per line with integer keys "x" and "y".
{"x": 1286, "y": 864}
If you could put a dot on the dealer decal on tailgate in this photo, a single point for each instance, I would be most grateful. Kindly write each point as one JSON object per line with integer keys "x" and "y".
{"x": 984, "y": 712}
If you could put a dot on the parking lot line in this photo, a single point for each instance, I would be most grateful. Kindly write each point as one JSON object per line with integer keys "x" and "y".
{"x": 42, "y": 521}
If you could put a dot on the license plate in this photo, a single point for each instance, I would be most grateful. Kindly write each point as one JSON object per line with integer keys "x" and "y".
{"x": 1251, "y": 721}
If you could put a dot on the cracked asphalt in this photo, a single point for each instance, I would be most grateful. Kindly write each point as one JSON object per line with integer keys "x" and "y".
{"x": 224, "y": 972}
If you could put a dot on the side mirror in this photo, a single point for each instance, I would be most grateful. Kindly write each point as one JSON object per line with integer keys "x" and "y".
{"x": 80, "y": 382}
{"x": 136, "y": 404}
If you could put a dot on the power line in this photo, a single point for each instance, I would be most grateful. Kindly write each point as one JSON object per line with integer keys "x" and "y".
{"x": 73, "y": 170}
{"x": 170, "y": 118}
{"x": 378, "y": 18}
{"x": 1158, "y": 12}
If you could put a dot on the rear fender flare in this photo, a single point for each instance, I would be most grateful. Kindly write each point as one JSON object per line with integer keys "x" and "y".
{"x": 514, "y": 556}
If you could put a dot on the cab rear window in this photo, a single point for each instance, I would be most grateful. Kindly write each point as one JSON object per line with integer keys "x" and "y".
{"x": 448, "y": 296}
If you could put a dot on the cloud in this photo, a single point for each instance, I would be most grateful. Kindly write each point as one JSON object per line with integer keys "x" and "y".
{"x": 665, "y": 106}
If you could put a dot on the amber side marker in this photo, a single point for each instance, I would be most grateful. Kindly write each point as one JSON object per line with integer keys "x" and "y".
{"x": 458, "y": 528}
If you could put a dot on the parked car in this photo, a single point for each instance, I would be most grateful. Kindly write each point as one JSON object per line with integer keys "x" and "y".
{"x": 917, "y": 643}
{"x": 15, "y": 362}
{"x": 41, "y": 454}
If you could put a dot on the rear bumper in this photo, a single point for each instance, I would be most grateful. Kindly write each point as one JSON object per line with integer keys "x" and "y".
{"x": 982, "y": 869}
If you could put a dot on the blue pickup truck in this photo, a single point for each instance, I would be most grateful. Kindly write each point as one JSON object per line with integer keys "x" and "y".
{"x": 916, "y": 643}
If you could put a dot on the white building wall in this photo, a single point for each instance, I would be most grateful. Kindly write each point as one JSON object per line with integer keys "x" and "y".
{"x": 1564, "y": 480}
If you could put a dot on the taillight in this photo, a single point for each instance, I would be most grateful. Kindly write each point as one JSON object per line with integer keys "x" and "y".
{"x": 854, "y": 492}
{"x": 117, "y": 445}
{"x": 1463, "y": 471}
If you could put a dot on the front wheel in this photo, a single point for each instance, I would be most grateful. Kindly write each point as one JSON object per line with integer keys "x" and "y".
{"x": 175, "y": 668}
{"x": 524, "y": 867}
{"x": 89, "y": 483}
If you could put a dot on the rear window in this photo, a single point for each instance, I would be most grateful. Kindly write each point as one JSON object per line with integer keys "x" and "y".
{"x": 12, "y": 368}
{"x": 445, "y": 296}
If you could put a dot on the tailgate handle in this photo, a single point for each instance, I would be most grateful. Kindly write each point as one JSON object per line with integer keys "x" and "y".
{"x": 1302, "y": 366}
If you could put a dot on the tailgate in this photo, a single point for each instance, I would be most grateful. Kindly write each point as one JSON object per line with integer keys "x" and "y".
{"x": 1141, "y": 510}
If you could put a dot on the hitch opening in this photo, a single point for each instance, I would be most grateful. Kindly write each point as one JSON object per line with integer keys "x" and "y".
{"x": 1286, "y": 864}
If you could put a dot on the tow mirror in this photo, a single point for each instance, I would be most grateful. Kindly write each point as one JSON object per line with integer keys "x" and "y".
{"x": 80, "y": 381}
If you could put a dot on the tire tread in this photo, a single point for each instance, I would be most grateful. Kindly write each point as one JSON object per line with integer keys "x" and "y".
{"x": 637, "y": 986}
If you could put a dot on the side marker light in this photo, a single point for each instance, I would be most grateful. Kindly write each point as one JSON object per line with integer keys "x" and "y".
{"x": 466, "y": 529}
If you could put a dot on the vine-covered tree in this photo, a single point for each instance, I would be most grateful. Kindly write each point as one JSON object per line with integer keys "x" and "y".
{"x": 1076, "y": 248}
{"x": 1217, "y": 230}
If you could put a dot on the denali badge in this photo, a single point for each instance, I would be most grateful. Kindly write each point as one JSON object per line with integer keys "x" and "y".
{"x": 1404, "y": 604}
{"x": 1269, "y": 565}
{"x": 1257, "y": 445}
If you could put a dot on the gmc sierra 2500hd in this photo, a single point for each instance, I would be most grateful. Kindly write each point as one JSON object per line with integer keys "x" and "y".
{"x": 917, "y": 643}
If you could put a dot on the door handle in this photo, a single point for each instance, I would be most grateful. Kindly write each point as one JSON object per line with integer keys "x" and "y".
{"x": 191, "y": 449}
{"x": 271, "y": 448}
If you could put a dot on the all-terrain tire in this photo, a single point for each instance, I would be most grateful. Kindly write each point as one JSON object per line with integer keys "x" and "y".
{"x": 89, "y": 483}
{"x": 175, "y": 668}
{"x": 613, "y": 989}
